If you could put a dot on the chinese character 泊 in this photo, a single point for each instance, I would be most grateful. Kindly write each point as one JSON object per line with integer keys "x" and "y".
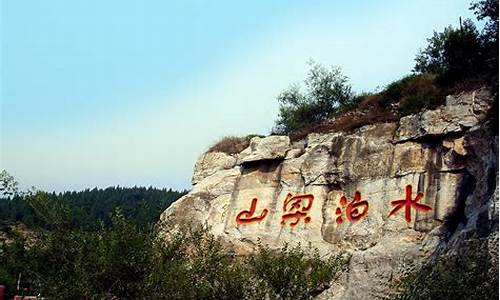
{"x": 355, "y": 210}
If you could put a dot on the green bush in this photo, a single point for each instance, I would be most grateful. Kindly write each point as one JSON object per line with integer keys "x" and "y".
{"x": 292, "y": 273}
{"x": 194, "y": 265}
{"x": 393, "y": 92}
{"x": 413, "y": 93}
{"x": 74, "y": 264}
{"x": 420, "y": 92}
{"x": 468, "y": 273}
{"x": 125, "y": 262}
{"x": 13, "y": 258}
{"x": 204, "y": 269}
{"x": 327, "y": 91}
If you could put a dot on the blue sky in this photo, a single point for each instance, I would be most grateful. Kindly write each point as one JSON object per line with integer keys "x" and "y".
{"x": 100, "y": 93}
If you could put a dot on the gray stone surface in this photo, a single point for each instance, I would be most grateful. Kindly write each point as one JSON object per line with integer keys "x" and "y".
{"x": 446, "y": 154}
{"x": 268, "y": 148}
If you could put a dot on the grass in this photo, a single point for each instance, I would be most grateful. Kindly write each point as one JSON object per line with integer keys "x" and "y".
{"x": 232, "y": 144}
{"x": 347, "y": 122}
{"x": 409, "y": 95}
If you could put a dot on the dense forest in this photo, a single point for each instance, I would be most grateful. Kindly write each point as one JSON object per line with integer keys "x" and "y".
{"x": 92, "y": 208}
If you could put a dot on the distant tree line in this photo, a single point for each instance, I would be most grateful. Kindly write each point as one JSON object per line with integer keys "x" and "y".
{"x": 88, "y": 209}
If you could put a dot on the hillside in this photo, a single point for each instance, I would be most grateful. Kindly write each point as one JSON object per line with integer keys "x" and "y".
{"x": 392, "y": 195}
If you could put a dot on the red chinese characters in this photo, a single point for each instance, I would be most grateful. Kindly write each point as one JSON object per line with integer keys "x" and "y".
{"x": 247, "y": 216}
{"x": 297, "y": 208}
{"x": 354, "y": 211}
{"x": 408, "y": 203}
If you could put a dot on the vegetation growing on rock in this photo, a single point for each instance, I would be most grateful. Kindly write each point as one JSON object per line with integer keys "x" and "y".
{"x": 231, "y": 144}
{"x": 454, "y": 60}
{"x": 470, "y": 272}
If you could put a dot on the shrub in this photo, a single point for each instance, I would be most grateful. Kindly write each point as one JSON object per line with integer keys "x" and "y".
{"x": 193, "y": 264}
{"x": 393, "y": 92}
{"x": 326, "y": 92}
{"x": 204, "y": 269}
{"x": 347, "y": 122}
{"x": 468, "y": 273}
{"x": 369, "y": 101}
{"x": 232, "y": 144}
{"x": 74, "y": 264}
{"x": 420, "y": 92}
{"x": 122, "y": 262}
{"x": 413, "y": 93}
{"x": 13, "y": 257}
{"x": 408, "y": 95}
{"x": 292, "y": 273}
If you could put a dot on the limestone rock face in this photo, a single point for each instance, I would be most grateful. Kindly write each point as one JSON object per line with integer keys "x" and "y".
{"x": 381, "y": 193}
{"x": 210, "y": 163}
{"x": 268, "y": 148}
{"x": 460, "y": 113}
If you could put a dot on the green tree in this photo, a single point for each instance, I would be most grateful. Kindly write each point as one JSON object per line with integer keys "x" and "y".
{"x": 487, "y": 10}
{"x": 464, "y": 53}
{"x": 50, "y": 212}
{"x": 87, "y": 209}
{"x": 454, "y": 54}
{"x": 326, "y": 91}
{"x": 8, "y": 185}
{"x": 123, "y": 258}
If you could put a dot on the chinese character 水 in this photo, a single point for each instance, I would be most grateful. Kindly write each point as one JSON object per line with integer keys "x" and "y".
{"x": 408, "y": 203}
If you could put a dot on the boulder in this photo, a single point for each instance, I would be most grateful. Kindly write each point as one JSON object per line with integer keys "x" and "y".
{"x": 269, "y": 148}
{"x": 460, "y": 113}
{"x": 210, "y": 163}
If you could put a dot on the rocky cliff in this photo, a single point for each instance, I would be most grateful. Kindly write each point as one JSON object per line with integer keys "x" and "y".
{"x": 390, "y": 194}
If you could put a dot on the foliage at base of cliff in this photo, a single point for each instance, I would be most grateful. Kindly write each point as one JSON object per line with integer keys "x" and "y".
{"x": 127, "y": 262}
{"x": 470, "y": 272}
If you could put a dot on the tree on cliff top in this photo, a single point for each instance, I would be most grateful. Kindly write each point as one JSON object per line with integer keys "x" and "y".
{"x": 326, "y": 91}
{"x": 463, "y": 53}
{"x": 454, "y": 54}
